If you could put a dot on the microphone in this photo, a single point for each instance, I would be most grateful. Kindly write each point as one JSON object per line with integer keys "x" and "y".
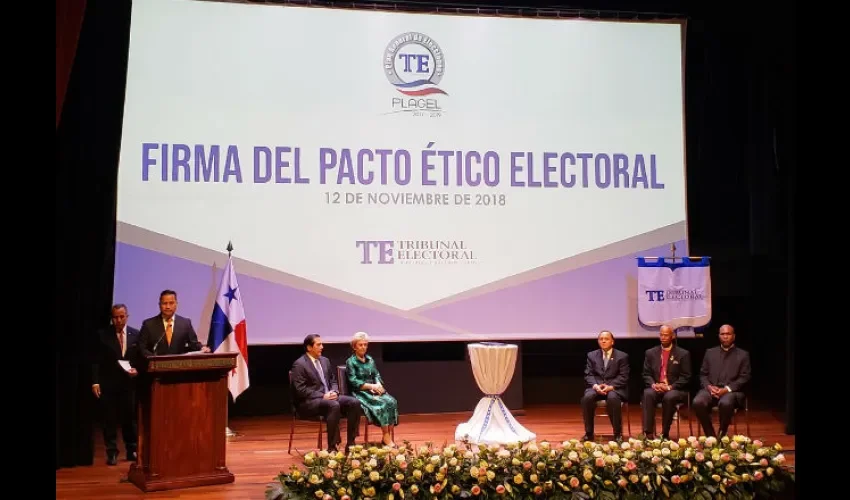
{"x": 153, "y": 351}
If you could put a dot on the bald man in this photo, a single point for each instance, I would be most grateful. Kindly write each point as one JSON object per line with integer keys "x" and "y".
{"x": 666, "y": 375}
{"x": 725, "y": 372}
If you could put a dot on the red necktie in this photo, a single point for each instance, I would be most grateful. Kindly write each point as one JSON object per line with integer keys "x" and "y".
{"x": 665, "y": 355}
{"x": 121, "y": 342}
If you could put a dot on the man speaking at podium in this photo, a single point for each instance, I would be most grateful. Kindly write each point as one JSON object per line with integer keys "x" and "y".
{"x": 168, "y": 333}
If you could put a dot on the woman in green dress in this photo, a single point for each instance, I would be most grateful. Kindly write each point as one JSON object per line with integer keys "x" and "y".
{"x": 366, "y": 385}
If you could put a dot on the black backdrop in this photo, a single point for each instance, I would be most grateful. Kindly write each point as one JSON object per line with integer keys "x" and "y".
{"x": 741, "y": 158}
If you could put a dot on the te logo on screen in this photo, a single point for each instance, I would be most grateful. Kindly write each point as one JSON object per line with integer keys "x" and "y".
{"x": 414, "y": 64}
{"x": 428, "y": 252}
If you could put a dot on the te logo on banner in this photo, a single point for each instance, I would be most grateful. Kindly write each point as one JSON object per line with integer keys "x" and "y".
{"x": 677, "y": 295}
{"x": 414, "y": 64}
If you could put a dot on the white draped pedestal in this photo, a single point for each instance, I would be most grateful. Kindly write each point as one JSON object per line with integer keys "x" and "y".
{"x": 492, "y": 423}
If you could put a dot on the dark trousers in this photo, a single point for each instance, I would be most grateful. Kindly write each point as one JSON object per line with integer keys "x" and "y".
{"x": 704, "y": 402}
{"x": 119, "y": 407}
{"x": 333, "y": 410}
{"x": 668, "y": 401}
{"x": 613, "y": 408}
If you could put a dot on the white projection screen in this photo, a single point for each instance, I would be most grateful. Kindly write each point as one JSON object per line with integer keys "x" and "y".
{"x": 421, "y": 177}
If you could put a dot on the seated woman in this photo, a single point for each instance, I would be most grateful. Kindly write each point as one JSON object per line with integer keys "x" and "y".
{"x": 366, "y": 385}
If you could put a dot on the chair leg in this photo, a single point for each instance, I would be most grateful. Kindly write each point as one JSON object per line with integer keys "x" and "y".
{"x": 291, "y": 432}
{"x": 678, "y": 424}
{"x": 690, "y": 418}
{"x": 628, "y": 421}
{"x": 319, "y": 447}
{"x": 366, "y": 433}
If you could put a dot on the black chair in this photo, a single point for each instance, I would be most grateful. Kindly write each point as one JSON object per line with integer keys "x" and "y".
{"x": 320, "y": 419}
{"x": 678, "y": 416}
{"x": 625, "y": 410}
{"x": 342, "y": 381}
{"x": 746, "y": 410}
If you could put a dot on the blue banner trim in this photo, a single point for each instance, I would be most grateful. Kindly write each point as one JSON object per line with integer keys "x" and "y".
{"x": 674, "y": 263}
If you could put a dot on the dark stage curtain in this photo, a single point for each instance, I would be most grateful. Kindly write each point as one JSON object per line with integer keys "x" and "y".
{"x": 69, "y": 18}
{"x": 87, "y": 138}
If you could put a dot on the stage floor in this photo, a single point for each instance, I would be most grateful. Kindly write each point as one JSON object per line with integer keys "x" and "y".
{"x": 258, "y": 452}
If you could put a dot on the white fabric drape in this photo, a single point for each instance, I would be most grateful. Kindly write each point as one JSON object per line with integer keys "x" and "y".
{"x": 492, "y": 423}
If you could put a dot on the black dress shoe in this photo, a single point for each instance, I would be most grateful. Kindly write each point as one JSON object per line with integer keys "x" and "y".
{"x": 618, "y": 438}
{"x": 112, "y": 459}
{"x": 586, "y": 437}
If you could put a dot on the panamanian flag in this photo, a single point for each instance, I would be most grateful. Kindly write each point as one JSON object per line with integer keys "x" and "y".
{"x": 228, "y": 332}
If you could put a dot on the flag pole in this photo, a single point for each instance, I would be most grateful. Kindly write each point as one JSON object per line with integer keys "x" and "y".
{"x": 228, "y": 432}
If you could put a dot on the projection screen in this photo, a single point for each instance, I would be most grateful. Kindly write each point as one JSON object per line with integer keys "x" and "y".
{"x": 420, "y": 177}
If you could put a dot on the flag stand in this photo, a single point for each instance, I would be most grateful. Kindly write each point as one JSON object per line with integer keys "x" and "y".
{"x": 228, "y": 432}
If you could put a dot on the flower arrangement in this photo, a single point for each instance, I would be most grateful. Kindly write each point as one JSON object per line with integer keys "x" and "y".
{"x": 704, "y": 467}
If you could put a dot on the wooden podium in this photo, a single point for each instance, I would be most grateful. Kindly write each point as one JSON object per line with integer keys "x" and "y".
{"x": 182, "y": 422}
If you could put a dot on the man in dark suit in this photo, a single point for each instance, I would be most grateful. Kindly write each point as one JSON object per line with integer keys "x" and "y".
{"x": 725, "y": 372}
{"x": 607, "y": 377}
{"x": 113, "y": 385}
{"x": 168, "y": 333}
{"x": 666, "y": 374}
{"x": 316, "y": 392}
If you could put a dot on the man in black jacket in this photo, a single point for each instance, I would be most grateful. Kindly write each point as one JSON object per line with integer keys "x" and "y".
{"x": 725, "y": 372}
{"x": 607, "y": 377}
{"x": 316, "y": 392}
{"x": 666, "y": 374}
{"x": 113, "y": 385}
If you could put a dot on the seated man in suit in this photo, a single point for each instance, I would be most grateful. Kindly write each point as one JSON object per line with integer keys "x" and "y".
{"x": 666, "y": 374}
{"x": 316, "y": 393}
{"x": 607, "y": 377}
{"x": 168, "y": 333}
{"x": 724, "y": 373}
{"x": 114, "y": 386}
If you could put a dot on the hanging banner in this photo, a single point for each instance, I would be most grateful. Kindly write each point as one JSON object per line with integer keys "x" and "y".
{"x": 675, "y": 292}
